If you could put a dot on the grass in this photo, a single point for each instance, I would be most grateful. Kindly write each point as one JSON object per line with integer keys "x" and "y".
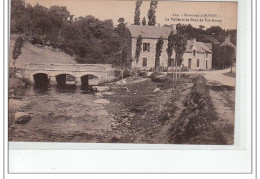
{"x": 34, "y": 54}
{"x": 230, "y": 74}
{"x": 195, "y": 125}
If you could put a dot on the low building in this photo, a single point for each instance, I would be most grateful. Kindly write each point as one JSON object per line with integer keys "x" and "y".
{"x": 198, "y": 55}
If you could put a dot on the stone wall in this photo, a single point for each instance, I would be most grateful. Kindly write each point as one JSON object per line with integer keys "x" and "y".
{"x": 150, "y": 55}
{"x": 164, "y": 57}
{"x": 104, "y": 72}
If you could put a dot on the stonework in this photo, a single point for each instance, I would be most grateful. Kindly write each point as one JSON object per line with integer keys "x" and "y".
{"x": 202, "y": 60}
{"x": 103, "y": 72}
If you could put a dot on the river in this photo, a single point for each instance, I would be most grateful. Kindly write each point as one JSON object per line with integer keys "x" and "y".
{"x": 60, "y": 116}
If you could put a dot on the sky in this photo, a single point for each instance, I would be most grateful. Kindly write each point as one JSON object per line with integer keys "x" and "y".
{"x": 223, "y": 14}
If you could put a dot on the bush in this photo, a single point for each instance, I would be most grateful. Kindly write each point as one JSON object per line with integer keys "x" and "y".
{"x": 127, "y": 73}
{"x": 37, "y": 40}
{"x": 184, "y": 68}
{"x": 151, "y": 69}
{"x": 25, "y": 81}
{"x": 142, "y": 73}
{"x": 117, "y": 73}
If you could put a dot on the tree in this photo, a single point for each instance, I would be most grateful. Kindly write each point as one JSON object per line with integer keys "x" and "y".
{"x": 138, "y": 49}
{"x": 124, "y": 56}
{"x": 151, "y": 13}
{"x": 144, "y": 21}
{"x": 201, "y": 27}
{"x": 216, "y": 30}
{"x": 19, "y": 17}
{"x": 158, "y": 53}
{"x": 137, "y": 12}
{"x": 169, "y": 49}
{"x": 17, "y": 50}
{"x": 59, "y": 16}
{"x": 121, "y": 27}
{"x": 179, "y": 43}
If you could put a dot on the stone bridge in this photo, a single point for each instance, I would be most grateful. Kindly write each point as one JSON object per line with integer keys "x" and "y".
{"x": 100, "y": 72}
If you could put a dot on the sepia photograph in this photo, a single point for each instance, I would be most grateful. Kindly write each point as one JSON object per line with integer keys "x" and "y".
{"x": 139, "y": 72}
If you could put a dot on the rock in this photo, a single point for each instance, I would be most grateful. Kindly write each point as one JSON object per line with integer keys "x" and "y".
{"x": 121, "y": 82}
{"x": 102, "y": 101}
{"x": 98, "y": 94}
{"x": 107, "y": 93}
{"x": 124, "y": 81}
{"x": 131, "y": 115}
{"x": 22, "y": 117}
{"x": 100, "y": 88}
{"x": 156, "y": 90}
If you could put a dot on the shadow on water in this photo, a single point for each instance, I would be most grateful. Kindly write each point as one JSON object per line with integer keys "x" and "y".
{"x": 66, "y": 88}
{"x": 41, "y": 88}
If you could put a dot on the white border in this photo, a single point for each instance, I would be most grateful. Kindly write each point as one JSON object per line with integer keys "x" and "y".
{"x": 154, "y": 161}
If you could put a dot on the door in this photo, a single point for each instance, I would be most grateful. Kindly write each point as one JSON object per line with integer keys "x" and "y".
{"x": 144, "y": 62}
{"x": 206, "y": 64}
{"x": 189, "y": 64}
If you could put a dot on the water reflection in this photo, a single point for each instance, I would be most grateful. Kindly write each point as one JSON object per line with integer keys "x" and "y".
{"x": 66, "y": 88}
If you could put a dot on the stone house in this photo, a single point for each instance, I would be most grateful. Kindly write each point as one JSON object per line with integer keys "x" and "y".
{"x": 198, "y": 55}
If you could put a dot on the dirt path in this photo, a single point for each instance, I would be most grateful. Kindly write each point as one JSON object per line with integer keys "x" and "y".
{"x": 223, "y": 98}
{"x": 216, "y": 76}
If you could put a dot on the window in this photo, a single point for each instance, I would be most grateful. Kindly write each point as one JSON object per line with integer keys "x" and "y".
{"x": 206, "y": 55}
{"x": 144, "y": 62}
{"x": 198, "y": 62}
{"x": 146, "y": 47}
{"x": 194, "y": 52}
{"x": 189, "y": 63}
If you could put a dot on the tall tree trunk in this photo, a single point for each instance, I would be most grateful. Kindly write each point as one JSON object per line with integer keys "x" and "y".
{"x": 60, "y": 33}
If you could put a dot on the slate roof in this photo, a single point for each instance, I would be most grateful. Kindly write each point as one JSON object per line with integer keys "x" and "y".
{"x": 153, "y": 32}
{"x": 201, "y": 47}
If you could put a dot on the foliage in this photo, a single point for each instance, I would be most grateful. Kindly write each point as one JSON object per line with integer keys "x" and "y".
{"x": 169, "y": 49}
{"x": 17, "y": 48}
{"x": 124, "y": 55}
{"x": 179, "y": 43}
{"x": 121, "y": 27}
{"x": 87, "y": 38}
{"x": 151, "y": 13}
{"x": 138, "y": 48}
{"x": 144, "y": 21}
{"x": 137, "y": 12}
{"x": 223, "y": 56}
{"x": 159, "y": 46}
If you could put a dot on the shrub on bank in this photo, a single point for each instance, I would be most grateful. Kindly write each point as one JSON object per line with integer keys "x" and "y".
{"x": 195, "y": 124}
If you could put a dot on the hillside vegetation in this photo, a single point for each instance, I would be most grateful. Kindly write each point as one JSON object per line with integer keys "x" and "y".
{"x": 33, "y": 54}
{"x": 91, "y": 40}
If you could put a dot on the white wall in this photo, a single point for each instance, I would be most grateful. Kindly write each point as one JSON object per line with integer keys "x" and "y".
{"x": 150, "y": 55}
{"x": 164, "y": 57}
{"x": 202, "y": 60}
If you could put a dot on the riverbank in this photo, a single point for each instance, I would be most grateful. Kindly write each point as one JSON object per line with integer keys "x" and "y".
{"x": 133, "y": 110}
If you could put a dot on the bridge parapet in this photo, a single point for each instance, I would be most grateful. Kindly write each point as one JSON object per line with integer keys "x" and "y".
{"x": 104, "y": 72}
{"x": 69, "y": 67}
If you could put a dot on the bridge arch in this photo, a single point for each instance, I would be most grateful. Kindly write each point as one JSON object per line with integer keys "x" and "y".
{"x": 65, "y": 78}
{"x": 41, "y": 80}
{"x": 88, "y": 80}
